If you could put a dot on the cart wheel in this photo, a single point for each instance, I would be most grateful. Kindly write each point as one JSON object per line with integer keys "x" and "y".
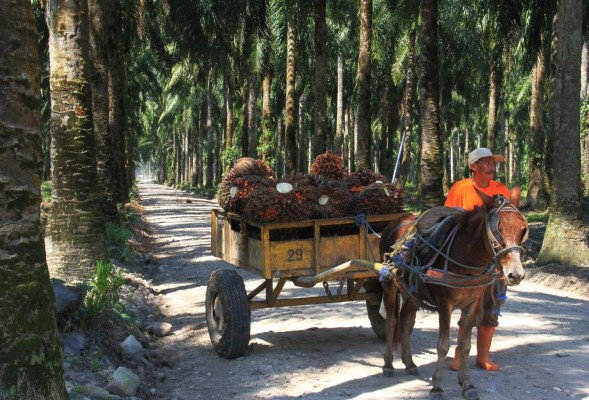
{"x": 376, "y": 320}
{"x": 228, "y": 313}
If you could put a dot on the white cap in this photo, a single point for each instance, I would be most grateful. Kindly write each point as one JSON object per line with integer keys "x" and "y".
{"x": 483, "y": 152}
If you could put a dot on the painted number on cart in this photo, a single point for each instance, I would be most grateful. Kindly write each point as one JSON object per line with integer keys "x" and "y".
{"x": 295, "y": 255}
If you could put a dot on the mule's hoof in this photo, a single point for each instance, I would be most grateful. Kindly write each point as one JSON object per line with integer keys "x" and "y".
{"x": 412, "y": 371}
{"x": 470, "y": 393}
{"x": 436, "y": 394}
{"x": 388, "y": 372}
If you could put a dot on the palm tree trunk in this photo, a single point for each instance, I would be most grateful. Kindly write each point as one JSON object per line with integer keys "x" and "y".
{"x": 279, "y": 147}
{"x": 185, "y": 156}
{"x": 210, "y": 138}
{"x": 319, "y": 140}
{"x": 228, "y": 142}
{"x": 565, "y": 238}
{"x": 290, "y": 140}
{"x": 585, "y": 70}
{"x": 537, "y": 197}
{"x": 117, "y": 83}
{"x": 407, "y": 112}
{"x": 27, "y": 305}
{"x": 431, "y": 189}
{"x": 464, "y": 167}
{"x": 507, "y": 167}
{"x": 76, "y": 229}
{"x": 364, "y": 137}
{"x": 245, "y": 120}
{"x": 195, "y": 153}
{"x": 175, "y": 157}
{"x": 100, "y": 37}
{"x": 252, "y": 137}
{"x": 339, "y": 119}
{"x": 494, "y": 96}
{"x": 302, "y": 140}
{"x": 383, "y": 152}
{"x": 267, "y": 139}
{"x": 585, "y": 115}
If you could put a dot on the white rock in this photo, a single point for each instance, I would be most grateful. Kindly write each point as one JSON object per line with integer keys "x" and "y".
{"x": 159, "y": 329}
{"x": 123, "y": 382}
{"x": 132, "y": 348}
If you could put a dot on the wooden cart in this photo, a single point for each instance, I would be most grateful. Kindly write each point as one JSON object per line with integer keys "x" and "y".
{"x": 306, "y": 253}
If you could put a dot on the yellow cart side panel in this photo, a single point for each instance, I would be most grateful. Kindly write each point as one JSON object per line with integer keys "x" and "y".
{"x": 374, "y": 243}
{"x": 256, "y": 256}
{"x": 236, "y": 248}
{"x": 337, "y": 250}
{"x": 292, "y": 255}
{"x": 214, "y": 237}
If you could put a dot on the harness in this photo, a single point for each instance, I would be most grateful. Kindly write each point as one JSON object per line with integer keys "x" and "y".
{"x": 492, "y": 225}
{"x": 410, "y": 263}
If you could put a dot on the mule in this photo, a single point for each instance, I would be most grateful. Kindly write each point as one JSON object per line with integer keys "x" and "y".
{"x": 445, "y": 267}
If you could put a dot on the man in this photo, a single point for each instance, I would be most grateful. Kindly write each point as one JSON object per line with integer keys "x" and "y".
{"x": 464, "y": 194}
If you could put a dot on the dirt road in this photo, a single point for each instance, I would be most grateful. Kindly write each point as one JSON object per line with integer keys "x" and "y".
{"x": 330, "y": 351}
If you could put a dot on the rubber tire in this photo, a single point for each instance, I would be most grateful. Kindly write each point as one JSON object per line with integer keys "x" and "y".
{"x": 228, "y": 313}
{"x": 377, "y": 322}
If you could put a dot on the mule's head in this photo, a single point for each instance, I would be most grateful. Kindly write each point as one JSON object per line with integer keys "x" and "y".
{"x": 507, "y": 229}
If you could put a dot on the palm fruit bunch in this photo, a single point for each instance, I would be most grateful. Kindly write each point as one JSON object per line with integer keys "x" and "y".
{"x": 363, "y": 177}
{"x": 334, "y": 197}
{"x": 294, "y": 198}
{"x": 240, "y": 181}
{"x": 329, "y": 165}
{"x": 377, "y": 198}
{"x": 240, "y": 192}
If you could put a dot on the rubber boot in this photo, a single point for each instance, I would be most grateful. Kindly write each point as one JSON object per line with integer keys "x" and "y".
{"x": 455, "y": 365}
{"x": 484, "y": 339}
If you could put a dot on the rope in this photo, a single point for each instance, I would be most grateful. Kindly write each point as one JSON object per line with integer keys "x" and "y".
{"x": 360, "y": 220}
{"x": 444, "y": 255}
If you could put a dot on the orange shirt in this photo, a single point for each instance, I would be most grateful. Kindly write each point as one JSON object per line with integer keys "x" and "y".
{"x": 464, "y": 195}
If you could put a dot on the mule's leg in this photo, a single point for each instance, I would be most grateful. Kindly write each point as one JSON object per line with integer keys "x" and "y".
{"x": 444, "y": 314}
{"x": 467, "y": 321}
{"x": 390, "y": 303}
{"x": 407, "y": 321}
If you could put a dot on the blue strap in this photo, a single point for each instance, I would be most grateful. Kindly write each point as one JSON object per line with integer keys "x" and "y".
{"x": 360, "y": 220}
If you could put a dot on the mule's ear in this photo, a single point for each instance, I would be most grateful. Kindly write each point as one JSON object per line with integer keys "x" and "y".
{"x": 515, "y": 195}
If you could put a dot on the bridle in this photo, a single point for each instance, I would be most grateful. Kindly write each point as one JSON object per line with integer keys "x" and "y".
{"x": 495, "y": 237}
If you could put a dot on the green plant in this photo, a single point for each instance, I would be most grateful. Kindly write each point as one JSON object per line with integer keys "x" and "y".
{"x": 537, "y": 216}
{"x": 97, "y": 361}
{"x": 46, "y": 191}
{"x": 128, "y": 214}
{"x": 117, "y": 235}
{"x": 102, "y": 298}
{"x": 209, "y": 193}
{"x": 133, "y": 193}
